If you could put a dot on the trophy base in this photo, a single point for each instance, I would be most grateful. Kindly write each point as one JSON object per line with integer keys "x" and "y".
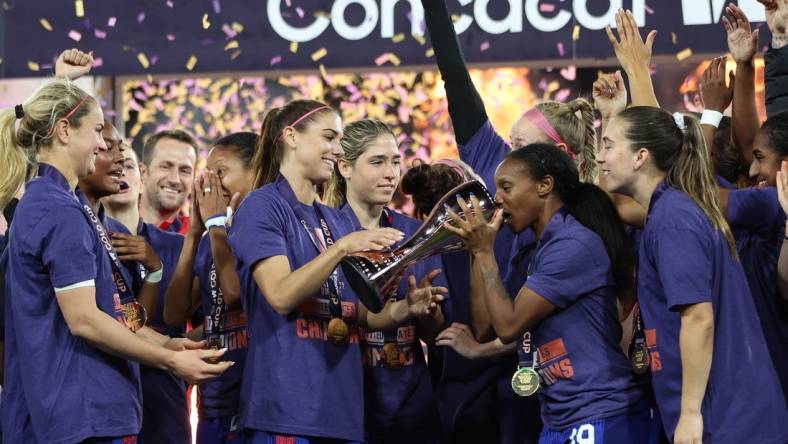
{"x": 366, "y": 291}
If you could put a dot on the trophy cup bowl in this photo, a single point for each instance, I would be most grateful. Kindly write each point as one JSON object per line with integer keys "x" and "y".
{"x": 374, "y": 276}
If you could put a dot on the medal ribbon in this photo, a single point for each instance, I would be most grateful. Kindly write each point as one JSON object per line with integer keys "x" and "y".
{"x": 638, "y": 332}
{"x": 124, "y": 289}
{"x": 286, "y": 191}
{"x": 218, "y": 307}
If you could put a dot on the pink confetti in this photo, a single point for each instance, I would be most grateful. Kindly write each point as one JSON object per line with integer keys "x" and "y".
{"x": 287, "y": 2}
{"x": 649, "y": 10}
{"x": 229, "y": 31}
{"x": 569, "y": 73}
{"x": 170, "y": 37}
{"x": 170, "y": 4}
{"x": 561, "y": 50}
{"x": 484, "y": 46}
{"x": 300, "y": 12}
{"x": 275, "y": 60}
{"x": 154, "y": 59}
{"x": 562, "y": 95}
{"x": 111, "y": 22}
{"x": 99, "y": 34}
{"x": 546, "y": 7}
{"x": 217, "y": 7}
{"x": 141, "y": 17}
{"x": 381, "y": 59}
{"x": 98, "y": 61}
{"x": 75, "y": 35}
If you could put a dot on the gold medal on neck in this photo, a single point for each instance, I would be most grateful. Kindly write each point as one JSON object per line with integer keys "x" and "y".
{"x": 134, "y": 315}
{"x": 338, "y": 332}
{"x": 390, "y": 356}
{"x": 525, "y": 381}
{"x": 640, "y": 358}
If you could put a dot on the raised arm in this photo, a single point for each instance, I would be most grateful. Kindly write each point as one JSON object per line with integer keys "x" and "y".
{"x": 73, "y": 64}
{"x": 776, "y": 58}
{"x": 716, "y": 97}
{"x": 743, "y": 45}
{"x": 635, "y": 57}
{"x": 466, "y": 108}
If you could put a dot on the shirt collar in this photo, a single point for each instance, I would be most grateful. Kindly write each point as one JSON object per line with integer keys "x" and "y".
{"x": 48, "y": 171}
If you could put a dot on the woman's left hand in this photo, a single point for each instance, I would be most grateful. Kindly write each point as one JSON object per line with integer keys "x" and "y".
{"x": 424, "y": 299}
{"x": 478, "y": 234}
{"x": 136, "y": 248}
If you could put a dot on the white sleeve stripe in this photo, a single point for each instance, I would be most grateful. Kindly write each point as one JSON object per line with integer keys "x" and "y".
{"x": 83, "y": 284}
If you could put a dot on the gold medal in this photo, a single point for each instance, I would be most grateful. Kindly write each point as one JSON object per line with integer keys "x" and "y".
{"x": 134, "y": 315}
{"x": 338, "y": 332}
{"x": 525, "y": 381}
{"x": 214, "y": 343}
{"x": 390, "y": 356}
{"x": 640, "y": 358}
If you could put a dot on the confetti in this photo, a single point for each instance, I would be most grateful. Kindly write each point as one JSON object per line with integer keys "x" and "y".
{"x": 398, "y": 38}
{"x": 569, "y": 73}
{"x": 33, "y": 66}
{"x": 75, "y": 35}
{"x": 99, "y": 33}
{"x": 484, "y": 46}
{"x": 275, "y": 60}
{"x": 546, "y": 7}
{"x": 170, "y": 37}
{"x": 217, "y": 7}
{"x": 191, "y": 62}
{"x": 300, "y": 12}
{"x": 98, "y": 61}
{"x": 237, "y": 27}
{"x": 170, "y": 4}
{"x": 319, "y": 54}
{"x": 45, "y": 24}
{"x": 430, "y": 52}
{"x": 79, "y": 8}
{"x": 141, "y": 17}
{"x": 681, "y": 55}
{"x": 323, "y": 72}
{"x": 673, "y": 38}
{"x": 143, "y": 59}
{"x": 419, "y": 38}
{"x": 294, "y": 47}
{"x": 235, "y": 55}
{"x": 576, "y": 33}
{"x": 649, "y": 10}
{"x": 205, "y": 23}
{"x": 561, "y": 50}
{"x": 111, "y": 22}
{"x": 232, "y": 44}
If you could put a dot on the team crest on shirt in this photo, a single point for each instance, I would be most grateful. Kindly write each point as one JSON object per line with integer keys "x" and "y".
{"x": 554, "y": 362}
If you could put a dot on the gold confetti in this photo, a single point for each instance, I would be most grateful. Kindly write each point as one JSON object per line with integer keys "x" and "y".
{"x": 394, "y": 60}
{"x": 323, "y": 72}
{"x": 205, "y": 22}
{"x": 576, "y": 33}
{"x": 430, "y": 52}
{"x": 553, "y": 86}
{"x": 674, "y": 38}
{"x": 79, "y": 8}
{"x": 294, "y": 47}
{"x": 398, "y": 38}
{"x": 684, "y": 54}
{"x": 232, "y": 44}
{"x": 143, "y": 59}
{"x": 320, "y": 14}
{"x": 237, "y": 27}
{"x": 419, "y": 38}
{"x": 319, "y": 54}
{"x": 45, "y": 24}
{"x": 191, "y": 63}
{"x": 33, "y": 66}
{"x": 235, "y": 54}
{"x": 149, "y": 78}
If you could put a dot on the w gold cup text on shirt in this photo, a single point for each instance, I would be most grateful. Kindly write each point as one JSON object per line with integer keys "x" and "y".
{"x": 374, "y": 275}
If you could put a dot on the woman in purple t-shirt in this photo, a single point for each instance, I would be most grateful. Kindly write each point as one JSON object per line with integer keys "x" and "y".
{"x": 303, "y": 377}
{"x": 565, "y": 316}
{"x": 205, "y": 276}
{"x": 712, "y": 376}
{"x": 399, "y": 398}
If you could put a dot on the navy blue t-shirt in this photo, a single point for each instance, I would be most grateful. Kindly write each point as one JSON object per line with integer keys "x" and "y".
{"x": 58, "y": 388}
{"x": 219, "y": 397}
{"x": 295, "y": 381}
{"x": 684, "y": 260}
{"x": 400, "y": 404}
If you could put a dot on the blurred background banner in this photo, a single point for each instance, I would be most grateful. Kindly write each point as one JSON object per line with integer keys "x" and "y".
{"x": 144, "y": 37}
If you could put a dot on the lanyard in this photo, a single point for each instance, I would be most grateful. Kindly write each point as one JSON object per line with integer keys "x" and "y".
{"x": 286, "y": 191}
{"x": 218, "y": 307}
{"x": 124, "y": 290}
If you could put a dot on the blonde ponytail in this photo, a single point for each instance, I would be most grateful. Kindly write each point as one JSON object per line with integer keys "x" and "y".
{"x": 577, "y": 131}
{"x": 13, "y": 160}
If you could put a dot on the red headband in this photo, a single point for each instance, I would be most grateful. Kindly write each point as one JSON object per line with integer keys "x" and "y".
{"x": 70, "y": 113}
{"x": 451, "y": 163}
{"x": 300, "y": 119}
{"x": 540, "y": 121}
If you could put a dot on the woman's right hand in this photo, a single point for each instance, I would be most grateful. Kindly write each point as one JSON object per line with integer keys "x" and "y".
{"x": 459, "y": 337}
{"x": 366, "y": 240}
{"x": 194, "y": 367}
{"x": 776, "y": 15}
{"x": 631, "y": 51}
{"x": 610, "y": 94}
{"x": 196, "y": 227}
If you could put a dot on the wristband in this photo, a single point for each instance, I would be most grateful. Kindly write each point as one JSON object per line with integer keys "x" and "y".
{"x": 711, "y": 117}
{"x": 216, "y": 221}
{"x": 154, "y": 277}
